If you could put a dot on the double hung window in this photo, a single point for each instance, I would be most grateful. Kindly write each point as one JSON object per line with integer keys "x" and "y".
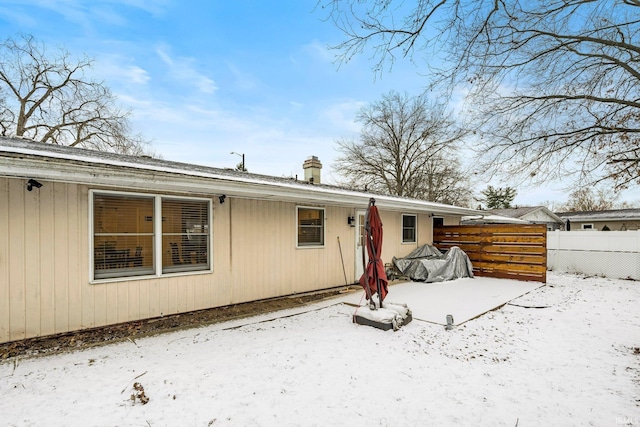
{"x": 310, "y": 227}
{"x": 408, "y": 228}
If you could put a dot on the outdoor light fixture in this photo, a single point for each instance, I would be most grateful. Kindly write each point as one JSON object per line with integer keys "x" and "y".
{"x": 221, "y": 198}
{"x": 449, "y": 322}
{"x": 33, "y": 183}
{"x": 351, "y": 220}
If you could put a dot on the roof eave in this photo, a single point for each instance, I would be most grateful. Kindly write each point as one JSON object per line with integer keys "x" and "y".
{"x": 143, "y": 178}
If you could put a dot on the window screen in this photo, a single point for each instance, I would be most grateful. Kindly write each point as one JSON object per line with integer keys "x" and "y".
{"x": 310, "y": 227}
{"x": 185, "y": 235}
{"x": 123, "y": 236}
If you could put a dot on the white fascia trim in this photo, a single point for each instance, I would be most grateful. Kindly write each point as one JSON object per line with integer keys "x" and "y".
{"x": 196, "y": 182}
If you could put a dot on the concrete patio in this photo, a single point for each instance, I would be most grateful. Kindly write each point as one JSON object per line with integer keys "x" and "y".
{"x": 464, "y": 299}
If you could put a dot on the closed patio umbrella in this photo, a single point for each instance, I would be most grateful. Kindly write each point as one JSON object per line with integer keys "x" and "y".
{"x": 374, "y": 279}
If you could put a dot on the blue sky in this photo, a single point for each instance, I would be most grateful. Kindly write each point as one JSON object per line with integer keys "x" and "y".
{"x": 205, "y": 78}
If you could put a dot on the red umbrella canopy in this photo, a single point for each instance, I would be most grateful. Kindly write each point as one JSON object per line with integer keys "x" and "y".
{"x": 374, "y": 280}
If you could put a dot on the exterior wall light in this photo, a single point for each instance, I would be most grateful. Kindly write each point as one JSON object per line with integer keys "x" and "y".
{"x": 33, "y": 183}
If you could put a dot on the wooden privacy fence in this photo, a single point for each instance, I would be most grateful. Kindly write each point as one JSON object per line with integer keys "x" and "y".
{"x": 513, "y": 251}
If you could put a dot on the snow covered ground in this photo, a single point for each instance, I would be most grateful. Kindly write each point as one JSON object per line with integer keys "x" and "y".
{"x": 574, "y": 363}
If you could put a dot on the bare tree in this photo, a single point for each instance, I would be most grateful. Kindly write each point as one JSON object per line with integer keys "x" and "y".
{"x": 406, "y": 149}
{"x": 554, "y": 84}
{"x": 50, "y": 99}
{"x": 445, "y": 181}
{"x": 588, "y": 200}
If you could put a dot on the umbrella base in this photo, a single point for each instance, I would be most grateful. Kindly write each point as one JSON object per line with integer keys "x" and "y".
{"x": 391, "y": 316}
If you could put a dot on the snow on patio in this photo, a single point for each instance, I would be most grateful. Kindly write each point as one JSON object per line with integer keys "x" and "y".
{"x": 574, "y": 363}
{"x": 464, "y": 298}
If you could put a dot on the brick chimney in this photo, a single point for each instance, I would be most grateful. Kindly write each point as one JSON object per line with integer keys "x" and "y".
{"x": 312, "y": 168}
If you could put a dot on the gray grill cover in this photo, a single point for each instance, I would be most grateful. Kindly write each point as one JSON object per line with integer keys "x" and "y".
{"x": 428, "y": 264}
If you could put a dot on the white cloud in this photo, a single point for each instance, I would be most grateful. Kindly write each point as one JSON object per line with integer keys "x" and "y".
{"x": 154, "y": 7}
{"x": 15, "y": 16}
{"x": 341, "y": 116}
{"x": 117, "y": 72}
{"x": 206, "y": 135}
{"x": 107, "y": 15}
{"x": 319, "y": 51}
{"x": 75, "y": 12}
{"x": 138, "y": 75}
{"x": 183, "y": 69}
{"x": 243, "y": 80}
{"x": 87, "y": 15}
{"x": 77, "y": 8}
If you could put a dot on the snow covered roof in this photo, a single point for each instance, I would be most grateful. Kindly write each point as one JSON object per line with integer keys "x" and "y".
{"x": 514, "y": 212}
{"x": 492, "y": 219}
{"x": 28, "y": 159}
{"x": 610, "y": 215}
{"x": 529, "y": 213}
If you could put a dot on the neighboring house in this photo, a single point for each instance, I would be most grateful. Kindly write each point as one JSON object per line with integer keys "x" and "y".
{"x": 533, "y": 215}
{"x": 491, "y": 219}
{"x": 89, "y": 238}
{"x": 614, "y": 220}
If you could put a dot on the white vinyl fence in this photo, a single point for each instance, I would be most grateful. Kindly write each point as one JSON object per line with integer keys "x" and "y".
{"x": 614, "y": 254}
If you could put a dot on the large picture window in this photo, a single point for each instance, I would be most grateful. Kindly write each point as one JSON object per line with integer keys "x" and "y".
{"x": 310, "y": 227}
{"x": 127, "y": 235}
{"x": 408, "y": 228}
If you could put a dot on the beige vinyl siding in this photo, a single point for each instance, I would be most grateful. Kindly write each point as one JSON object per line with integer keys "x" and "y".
{"x": 45, "y": 253}
{"x": 44, "y": 262}
{"x": 36, "y": 260}
{"x": 5, "y": 295}
{"x": 265, "y": 261}
{"x": 451, "y": 220}
{"x": 425, "y": 229}
{"x": 44, "y": 269}
{"x": 392, "y": 244}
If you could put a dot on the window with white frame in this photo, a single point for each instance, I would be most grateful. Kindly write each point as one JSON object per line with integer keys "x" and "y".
{"x": 408, "y": 228}
{"x": 126, "y": 235}
{"x": 185, "y": 235}
{"x": 587, "y": 226}
{"x": 310, "y": 226}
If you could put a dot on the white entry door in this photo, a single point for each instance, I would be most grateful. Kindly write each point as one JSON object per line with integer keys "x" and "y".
{"x": 360, "y": 249}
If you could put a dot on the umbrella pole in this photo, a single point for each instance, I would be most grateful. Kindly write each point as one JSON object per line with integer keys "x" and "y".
{"x": 376, "y": 277}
